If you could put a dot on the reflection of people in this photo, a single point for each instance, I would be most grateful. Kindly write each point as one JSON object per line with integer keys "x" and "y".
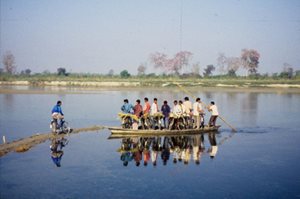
{"x": 213, "y": 145}
{"x": 165, "y": 153}
{"x": 56, "y": 150}
{"x": 214, "y": 114}
{"x": 155, "y": 149}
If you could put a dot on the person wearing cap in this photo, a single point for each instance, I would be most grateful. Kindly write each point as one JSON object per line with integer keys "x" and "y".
{"x": 214, "y": 113}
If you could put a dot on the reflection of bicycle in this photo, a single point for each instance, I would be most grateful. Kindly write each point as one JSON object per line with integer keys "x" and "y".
{"x": 57, "y": 144}
{"x": 60, "y": 127}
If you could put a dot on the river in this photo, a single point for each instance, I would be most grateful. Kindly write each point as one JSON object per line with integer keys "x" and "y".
{"x": 260, "y": 160}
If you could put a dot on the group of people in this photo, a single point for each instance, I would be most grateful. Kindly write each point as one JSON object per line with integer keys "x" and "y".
{"x": 191, "y": 114}
{"x": 149, "y": 150}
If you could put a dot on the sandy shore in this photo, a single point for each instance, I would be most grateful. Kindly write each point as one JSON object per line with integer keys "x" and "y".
{"x": 25, "y": 144}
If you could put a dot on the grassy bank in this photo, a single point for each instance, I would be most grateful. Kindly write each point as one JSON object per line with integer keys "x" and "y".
{"x": 146, "y": 81}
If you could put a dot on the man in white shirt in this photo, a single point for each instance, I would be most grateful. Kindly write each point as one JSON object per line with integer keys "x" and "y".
{"x": 154, "y": 107}
{"x": 214, "y": 114}
{"x": 177, "y": 109}
{"x": 197, "y": 110}
{"x": 188, "y": 110}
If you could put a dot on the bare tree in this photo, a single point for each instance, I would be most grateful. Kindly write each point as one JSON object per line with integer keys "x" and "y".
{"x": 111, "y": 72}
{"x": 233, "y": 64}
{"x": 196, "y": 69}
{"x": 250, "y": 60}
{"x": 221, "y": 62}
{"x": 9, "y": 63}
{"x": 141, "y": 69}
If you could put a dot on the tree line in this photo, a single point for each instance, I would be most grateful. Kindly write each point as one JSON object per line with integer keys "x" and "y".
{"x": 172, "y": 66}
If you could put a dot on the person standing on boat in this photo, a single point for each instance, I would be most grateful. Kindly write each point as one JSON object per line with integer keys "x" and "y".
{"x": 138, "y": 109}
{"x": 127, "y": 108}
{"x": 214, "y": 113}
{"x": 154, "y": 107}
{"x": 147, "y": 106}
{"x": 165, "y": 109}
{"x": 197, "y": 110}
{"x": 188, "y": 110}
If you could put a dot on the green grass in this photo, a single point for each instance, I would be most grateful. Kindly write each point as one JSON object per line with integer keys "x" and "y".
{"x": 39, "y": 79}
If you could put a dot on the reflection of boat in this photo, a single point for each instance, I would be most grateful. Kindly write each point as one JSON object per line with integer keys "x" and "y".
{"x": 117, "y": 131}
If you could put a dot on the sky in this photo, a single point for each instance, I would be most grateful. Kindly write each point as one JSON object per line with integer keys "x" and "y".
{"x": 95, "y": 36}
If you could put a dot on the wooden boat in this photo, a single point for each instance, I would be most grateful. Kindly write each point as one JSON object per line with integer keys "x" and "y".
{"x": 121, "y": 132}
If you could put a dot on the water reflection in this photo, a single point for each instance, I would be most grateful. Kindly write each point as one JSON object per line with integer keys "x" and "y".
{"x": 162, "y": 150}
{"x": 57, "y": 144}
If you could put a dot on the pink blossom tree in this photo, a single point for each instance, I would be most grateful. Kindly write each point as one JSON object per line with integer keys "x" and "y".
{"x": 175, "y": 64}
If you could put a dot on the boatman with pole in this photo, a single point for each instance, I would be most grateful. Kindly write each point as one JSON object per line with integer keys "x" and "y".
{"x": 214, "y": 113}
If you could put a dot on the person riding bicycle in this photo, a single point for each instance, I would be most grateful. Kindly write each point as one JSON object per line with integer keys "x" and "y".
{"x": 57, "y": 113}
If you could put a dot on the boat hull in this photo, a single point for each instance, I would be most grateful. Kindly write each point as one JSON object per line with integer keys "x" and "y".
{"x": 117, "y": 131}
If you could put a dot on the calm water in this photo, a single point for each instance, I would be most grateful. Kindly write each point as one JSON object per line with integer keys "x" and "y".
{"x": 261, "y": 160}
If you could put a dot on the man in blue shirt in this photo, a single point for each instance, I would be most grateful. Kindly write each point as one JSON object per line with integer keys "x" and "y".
{"x": 127, "y": 108}
{"x": 57, "y": 112}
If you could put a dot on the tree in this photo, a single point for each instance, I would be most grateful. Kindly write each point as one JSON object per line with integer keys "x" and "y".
{"x": 61, "y": 71}
{"x": 196, "y": 69}
{"x": 208, "y": 70}
{"x": 124, "y": 74}
{"x": 233, "y": 64}
{"x": 221, "y": 62}
{"x": 174, "y": 64}
{"x": 111, "y": 72}
{"x": 250, "y": 60}
{"x": 27, "y": 71}
{"x": 141, "y": 69}
{"x": 9, "y": 62}
{"x": 287, "y": 71}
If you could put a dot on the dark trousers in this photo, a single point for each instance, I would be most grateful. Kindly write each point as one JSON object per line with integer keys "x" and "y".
{"x": 212, "y": 120}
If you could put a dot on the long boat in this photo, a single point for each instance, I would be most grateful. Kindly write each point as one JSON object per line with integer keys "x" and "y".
{"x": 117, "y": 131}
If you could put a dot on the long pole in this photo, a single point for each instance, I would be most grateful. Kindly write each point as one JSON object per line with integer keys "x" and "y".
{"x": 189, "y": 93}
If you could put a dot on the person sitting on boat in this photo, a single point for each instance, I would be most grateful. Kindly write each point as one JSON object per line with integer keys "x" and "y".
{"x": 214, "y": 113}
{"x": 127, "y": 108}
{"x": 165, "y": 109}
{"x": 177, "y": 109}
{"x": 57, "y": 113}
{"x": 197, "y": 112}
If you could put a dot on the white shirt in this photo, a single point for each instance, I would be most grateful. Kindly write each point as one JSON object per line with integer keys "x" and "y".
{"x": 154, "y": 109}
{"x": 188, "y": 106}
{"x": 196, "y": 108}
{"x": 177, "y": 110}
{"x": 214, "y": 110}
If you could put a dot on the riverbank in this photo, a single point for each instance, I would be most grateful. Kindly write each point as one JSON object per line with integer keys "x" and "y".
{"x": 158, "y": 83}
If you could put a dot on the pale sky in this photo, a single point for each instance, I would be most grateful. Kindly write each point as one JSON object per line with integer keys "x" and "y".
{"x": 98, "y": 35}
